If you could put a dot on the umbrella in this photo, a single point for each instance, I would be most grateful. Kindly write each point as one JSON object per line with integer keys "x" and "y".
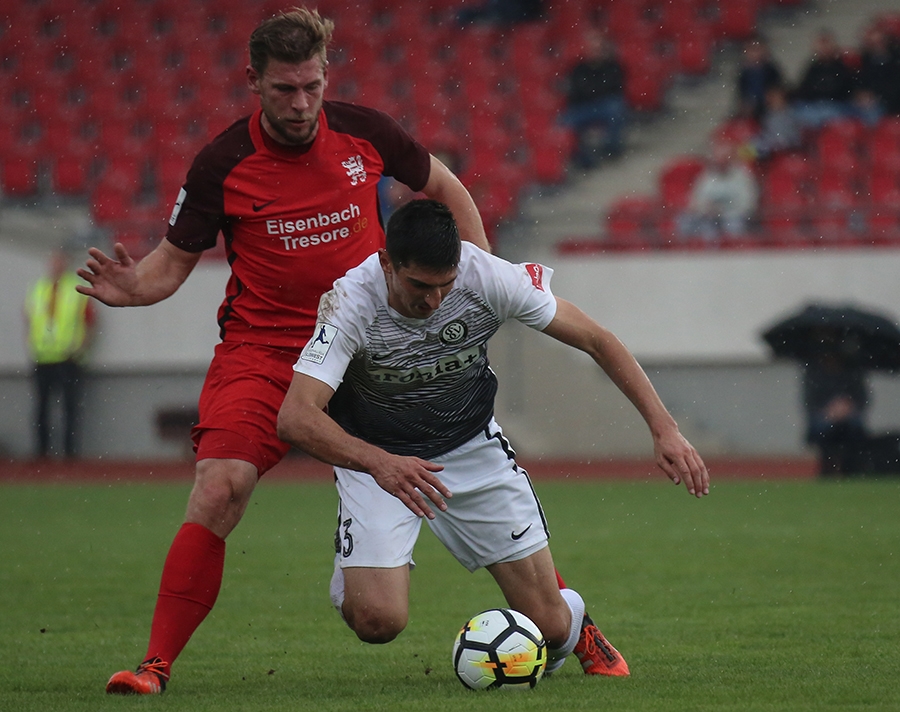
{"x": 864, "y": 339}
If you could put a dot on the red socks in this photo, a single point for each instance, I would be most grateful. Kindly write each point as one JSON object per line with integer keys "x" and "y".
{"x": 559, "y": 581}
{"x": 191, "y": 578}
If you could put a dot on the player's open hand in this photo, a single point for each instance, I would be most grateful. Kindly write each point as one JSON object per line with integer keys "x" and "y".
{"x": 681, "y": 462}
{"x": 112, "y": 281}
{"x": 411, "y": 480}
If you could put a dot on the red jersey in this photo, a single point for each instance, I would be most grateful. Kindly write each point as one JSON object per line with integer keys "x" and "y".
{"x": 293, "y": 220}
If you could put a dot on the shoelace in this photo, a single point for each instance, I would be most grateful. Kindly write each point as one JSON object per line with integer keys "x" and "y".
{"x": 156, "y": 666}
{"x": 594, "y": 641}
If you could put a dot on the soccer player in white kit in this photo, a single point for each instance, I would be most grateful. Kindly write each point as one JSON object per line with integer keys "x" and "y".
{"x": 399, "y": 358}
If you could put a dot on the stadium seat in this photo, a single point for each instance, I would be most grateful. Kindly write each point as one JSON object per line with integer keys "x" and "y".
{"x": 882, "y": 145}
{"x": 631, "y": 222}
{"x": 693, "y": 49}
{"x": 645, "y": 84}
{"x": 19, "y": 173}
{"x": 837, "y": 147}
{"x": 737, "y": 19}
{"x": 676, "y": 178}
{"x": 69, "y": 175}
{"x": 549, "y": 157}
{"x": 835, "y": 190}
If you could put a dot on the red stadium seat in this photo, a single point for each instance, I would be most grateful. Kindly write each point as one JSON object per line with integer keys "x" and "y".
{"x": 738, "y": 18}
{"x": 631, "y": 222}
{"x": 834, "y": 190}
{"x": 550, "y": 156}
{"x": 882, "y": 145}
{"x": 676, "y": 180}
{"x": 693, "y": 49}
{"x": 837, "y": 147}
{"x": 19, "y": 173}
{"x": 645, "y": 85}
{"x": 69, "y": 175}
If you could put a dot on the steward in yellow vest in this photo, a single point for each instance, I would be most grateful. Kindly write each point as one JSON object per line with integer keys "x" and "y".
{"x": 59, "y": 322}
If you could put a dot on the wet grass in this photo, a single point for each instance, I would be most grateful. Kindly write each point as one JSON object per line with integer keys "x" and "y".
{"x": 763, "y": 596}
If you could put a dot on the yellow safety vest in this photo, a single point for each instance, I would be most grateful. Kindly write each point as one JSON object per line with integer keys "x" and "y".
{"x": 57, "y": 332}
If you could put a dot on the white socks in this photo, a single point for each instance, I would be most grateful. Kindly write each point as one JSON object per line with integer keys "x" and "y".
{"x": 336, "y": 588}
{"x": 557, "y": 656}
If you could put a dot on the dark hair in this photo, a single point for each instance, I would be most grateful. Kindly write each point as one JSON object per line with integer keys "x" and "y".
{"x": 423, "y": 232}
{"x": 296, "y": 35}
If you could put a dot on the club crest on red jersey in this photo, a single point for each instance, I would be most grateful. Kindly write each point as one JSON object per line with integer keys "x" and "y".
{"x": 355, "y": 169}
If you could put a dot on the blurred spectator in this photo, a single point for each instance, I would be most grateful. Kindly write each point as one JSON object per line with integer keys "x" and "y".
{"x": 779, "y": 130}
{"x": 391, "y": 195}
{"x": 502, "y": 12}
{"x": 758, "y": 74}
{"x": 878, "y": 80}
{"x": 60, "y": 324}
{"x": 723, "y": 198}
{"x": 835, "y": 397}
{"x": 825, "y": 92}
{"x": 596, "y": 101}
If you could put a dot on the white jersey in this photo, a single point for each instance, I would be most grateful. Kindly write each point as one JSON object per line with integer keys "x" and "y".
{"x": 420, "y": 386}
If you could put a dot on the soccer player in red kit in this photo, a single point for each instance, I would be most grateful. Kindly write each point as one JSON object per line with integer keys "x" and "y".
{"x": 293, "y": 190}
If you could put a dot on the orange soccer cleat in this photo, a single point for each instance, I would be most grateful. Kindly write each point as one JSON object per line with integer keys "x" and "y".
{"x": 597, "y": 656}
{"x": 149, "y": 679}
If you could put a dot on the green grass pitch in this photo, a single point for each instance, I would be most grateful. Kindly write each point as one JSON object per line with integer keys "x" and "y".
{"x": 767, "y": 595}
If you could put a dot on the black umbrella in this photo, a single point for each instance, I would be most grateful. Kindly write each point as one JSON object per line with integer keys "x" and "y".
{"x": 864, "y": 339}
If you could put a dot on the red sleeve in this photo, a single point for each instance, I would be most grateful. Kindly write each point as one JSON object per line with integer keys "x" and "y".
{"x": 199, "y": 215}
{"x": 404, "y": 158}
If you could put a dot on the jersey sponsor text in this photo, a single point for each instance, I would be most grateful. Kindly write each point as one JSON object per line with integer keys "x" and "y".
{"x": 446, "y": 365}
{"x": 340, "y": 223}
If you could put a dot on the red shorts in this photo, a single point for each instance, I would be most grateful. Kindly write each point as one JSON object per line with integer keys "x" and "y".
{"x": 239, "y": 404}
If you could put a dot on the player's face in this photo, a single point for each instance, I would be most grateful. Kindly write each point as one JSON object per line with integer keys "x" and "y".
{"x": 290, "y": 96}
{"x": 415, "y": 291}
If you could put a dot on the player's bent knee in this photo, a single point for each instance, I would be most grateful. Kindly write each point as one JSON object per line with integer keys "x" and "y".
{"x": 374, "y": 626}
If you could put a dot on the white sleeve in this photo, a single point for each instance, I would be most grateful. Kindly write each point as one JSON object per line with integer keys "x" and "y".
{"x": 515, "y": 291}
{"x": 334, "y": 343}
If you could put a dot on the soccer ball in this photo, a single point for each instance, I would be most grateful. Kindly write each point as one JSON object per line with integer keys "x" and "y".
{"x": 499, "y": 648}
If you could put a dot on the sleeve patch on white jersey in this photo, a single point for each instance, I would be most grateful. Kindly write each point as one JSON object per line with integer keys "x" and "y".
{"x": 317, "y": 348}
{"x": 179, "y": 201}
{"x": 536, "y": 272}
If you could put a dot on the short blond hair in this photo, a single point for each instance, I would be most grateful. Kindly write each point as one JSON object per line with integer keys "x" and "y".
{"x": 295, "y": 35}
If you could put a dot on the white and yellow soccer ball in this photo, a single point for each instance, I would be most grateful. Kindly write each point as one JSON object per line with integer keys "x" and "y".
{"x": 501, "y": 648}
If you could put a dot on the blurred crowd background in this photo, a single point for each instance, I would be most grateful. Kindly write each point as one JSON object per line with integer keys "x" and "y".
{"x": 694, "y": 168}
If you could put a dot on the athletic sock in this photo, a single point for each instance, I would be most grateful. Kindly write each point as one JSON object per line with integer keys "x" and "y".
{"x": 557, "y": 656}
{"x": 336, "y": 588}
{"x": 191, "y": 579}
{"x": 559, "y": 580}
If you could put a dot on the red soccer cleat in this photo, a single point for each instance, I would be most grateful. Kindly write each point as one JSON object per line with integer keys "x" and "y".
{"x": 149, "y": 679}
{"x": 597, "y": 656}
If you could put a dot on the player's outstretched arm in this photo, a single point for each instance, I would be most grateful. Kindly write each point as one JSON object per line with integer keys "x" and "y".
{"x": 674, "y": 454}
{"x": 443, "y": 185}
{"x": 119, "y": 281}
{"x": 303, "y": 423}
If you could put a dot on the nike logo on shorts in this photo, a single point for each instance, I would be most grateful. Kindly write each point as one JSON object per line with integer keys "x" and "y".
{"x": 518, "y": 535}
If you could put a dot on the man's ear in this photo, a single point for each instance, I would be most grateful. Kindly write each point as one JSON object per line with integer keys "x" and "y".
{"x": 253, "y": 79}
{"x": 386, "y": 265}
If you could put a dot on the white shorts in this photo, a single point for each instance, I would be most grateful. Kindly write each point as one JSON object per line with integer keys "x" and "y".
{"x": 493, "y": 516}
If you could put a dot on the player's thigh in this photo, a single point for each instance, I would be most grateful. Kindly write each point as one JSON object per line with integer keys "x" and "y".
{"x": 377, "y": 591}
